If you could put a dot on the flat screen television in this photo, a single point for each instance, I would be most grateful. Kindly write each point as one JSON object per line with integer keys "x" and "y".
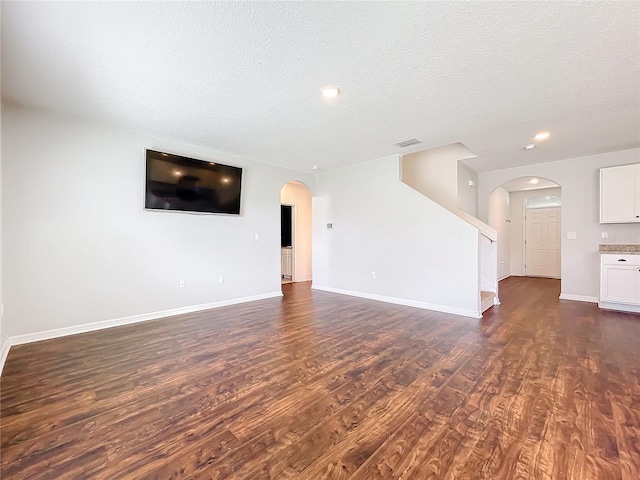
{"x": 190, "y": 185}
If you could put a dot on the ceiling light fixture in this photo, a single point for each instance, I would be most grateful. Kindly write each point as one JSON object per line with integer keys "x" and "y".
{"x": 315, "y": 167}
{"x": 533, "y": 181}
{"x": 542, "y": 136}
{"x": 531, "y": 146}
{"x": 330, "y": 91}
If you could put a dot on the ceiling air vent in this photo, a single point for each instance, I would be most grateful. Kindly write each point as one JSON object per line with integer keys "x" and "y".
{"x": 408, "y": 143}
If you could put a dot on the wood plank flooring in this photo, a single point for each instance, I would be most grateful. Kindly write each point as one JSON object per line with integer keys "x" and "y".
{"x": 322, "y": 386}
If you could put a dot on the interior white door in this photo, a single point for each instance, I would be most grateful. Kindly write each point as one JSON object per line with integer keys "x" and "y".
{"x": 542, "y": 242}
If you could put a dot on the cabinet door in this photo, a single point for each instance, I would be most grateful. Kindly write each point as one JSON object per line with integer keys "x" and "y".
{"x": 621, "y": 284}
{"x": 287, "y": 269}
{"x": 619, "y": 195}
{"x": 637, "y": 198}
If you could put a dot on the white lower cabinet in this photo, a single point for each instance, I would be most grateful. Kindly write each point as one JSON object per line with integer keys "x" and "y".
{"x": 620, "y": 282}
{"x": 287, "y": 262}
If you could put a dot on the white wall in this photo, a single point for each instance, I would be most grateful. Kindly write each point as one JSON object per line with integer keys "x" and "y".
{"x": 467, "y": 194}
{"x": 80, "y": 248}
{"x": 434, "y": 172}
{"x": 296, "y": 194}
{"x": 3, "y": 331}
{"x": 499, "y": 218}
{"x": 517, "y": 207}
{"x": 488, "y": 261}
{"x": 579, "y": 180}
{"x": 419, "y": 250}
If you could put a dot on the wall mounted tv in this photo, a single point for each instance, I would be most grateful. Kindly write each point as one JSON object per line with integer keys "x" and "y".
{"x": 190, "y": 185}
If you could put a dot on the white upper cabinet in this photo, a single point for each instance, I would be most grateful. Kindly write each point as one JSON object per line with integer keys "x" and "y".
{"x": 620, "y": 194}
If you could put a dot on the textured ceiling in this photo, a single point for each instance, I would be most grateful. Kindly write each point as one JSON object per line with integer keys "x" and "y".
{"x": 244, "y": 77}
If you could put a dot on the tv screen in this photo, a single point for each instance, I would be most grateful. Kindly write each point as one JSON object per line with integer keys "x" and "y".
{"x": 190, "y": 185}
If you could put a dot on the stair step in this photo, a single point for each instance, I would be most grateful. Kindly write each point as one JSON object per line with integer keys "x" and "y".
{"x": 486, "y": 300}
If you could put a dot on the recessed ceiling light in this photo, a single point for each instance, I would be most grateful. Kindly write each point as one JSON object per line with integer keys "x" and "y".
{"x": 542, "y": 136}
{"x": 533, "y": 181}
{"x": 531, "y": 146}
{"x": 330, "y": 91}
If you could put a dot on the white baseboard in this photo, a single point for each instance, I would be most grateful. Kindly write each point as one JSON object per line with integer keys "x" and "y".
{"x": 6, "y": 345}
{"x": 506, "y": 276}
{"x": 116, "y": 322}
{"x": 578, "y": 298}
{"x": 400, "y": 301}
{"x": 620, "y": 307}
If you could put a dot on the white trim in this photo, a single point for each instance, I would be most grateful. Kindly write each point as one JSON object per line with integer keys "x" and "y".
{"x": 400, "y": 301}
{"x": 621, "y": 307}
{"x": 4, "y": 353}
{"x": 506, "y": 276}
{"x": 578, "y": 298}
{"x": 116, "y": 322}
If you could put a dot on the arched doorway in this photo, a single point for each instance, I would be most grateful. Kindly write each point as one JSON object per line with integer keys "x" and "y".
{"x": 526, "y": 212}
{"x": 296, "y": 232}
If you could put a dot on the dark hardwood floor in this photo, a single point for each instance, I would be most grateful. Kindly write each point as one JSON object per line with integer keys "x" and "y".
{"x": 323, "y": 386}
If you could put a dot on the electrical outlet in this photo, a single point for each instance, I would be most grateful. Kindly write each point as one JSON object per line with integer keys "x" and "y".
{"x": 373, "y": 275}
{"x": 182, "y": 284}
{"x": 256, "y": 236}
{"x": 605, "y": 235}
{"x": 221, "y": 279}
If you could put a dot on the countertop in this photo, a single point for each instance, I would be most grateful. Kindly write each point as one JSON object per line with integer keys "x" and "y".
{"x": 620, "y": 249}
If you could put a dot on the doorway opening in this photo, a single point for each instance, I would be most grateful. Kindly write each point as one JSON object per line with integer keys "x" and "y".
{"x": 296, "y": 233}
{"x": 542, "y": 237}
{"x": 527, "y": 212}
{"x": 286, "y": 243}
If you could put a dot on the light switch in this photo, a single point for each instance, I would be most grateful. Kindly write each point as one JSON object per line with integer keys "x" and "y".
{"x": 571, "y": 235}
